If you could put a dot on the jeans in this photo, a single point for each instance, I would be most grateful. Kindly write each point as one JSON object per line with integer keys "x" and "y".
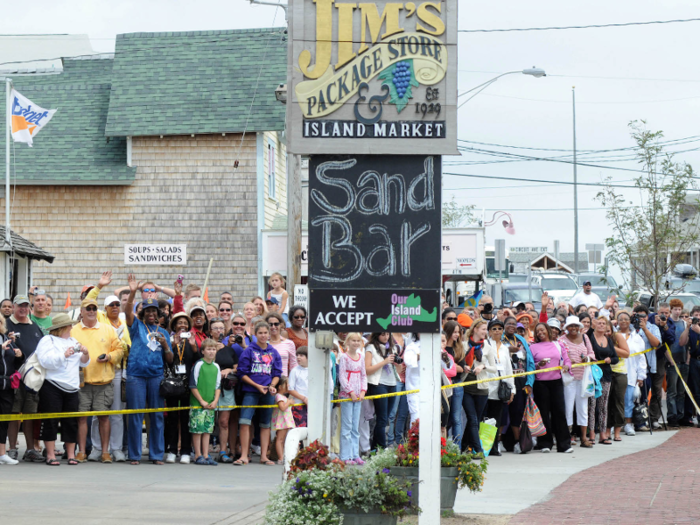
{"x": 350, "y": 430}
{"x": 629, "y": 401}
{"x": 142, "y": 391}
{"x": 474, "y": 406}
{"x": 675, "y": 393}
{"x": 456, "y": 415}
{"x": 392, "y": 415}
{"x": 251, "y": 399}
{"x": 402, "y": 416}
{"x": 382, "y": 408}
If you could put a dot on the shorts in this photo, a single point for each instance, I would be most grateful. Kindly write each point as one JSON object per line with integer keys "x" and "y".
{"x": 300, "y": 416}
{"x": 251, "y": 399}
{"x": 96, "y": 398}
{"x": 25, "y": 402}
{"x": 227, "y": 399}
{"x": 202, "y": 421}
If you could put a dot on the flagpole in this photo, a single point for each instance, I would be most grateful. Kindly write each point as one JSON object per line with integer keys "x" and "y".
{"x": 8, "y": 137}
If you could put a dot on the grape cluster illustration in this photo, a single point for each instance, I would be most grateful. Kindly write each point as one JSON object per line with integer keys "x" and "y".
{"x": 402, "y": 77}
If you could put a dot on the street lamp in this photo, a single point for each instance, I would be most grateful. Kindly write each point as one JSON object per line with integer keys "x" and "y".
{"x": 533, "y": 72}
{"x": 508, "y": 225}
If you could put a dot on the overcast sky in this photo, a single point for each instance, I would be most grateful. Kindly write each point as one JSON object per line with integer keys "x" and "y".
{"x": 620, "y": 74}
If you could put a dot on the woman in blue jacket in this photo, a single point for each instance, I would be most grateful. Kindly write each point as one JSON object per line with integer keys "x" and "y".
{"x": 259, "y": 370}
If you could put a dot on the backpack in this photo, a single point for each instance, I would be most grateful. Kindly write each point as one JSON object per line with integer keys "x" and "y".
{"x": 33, "y": 374}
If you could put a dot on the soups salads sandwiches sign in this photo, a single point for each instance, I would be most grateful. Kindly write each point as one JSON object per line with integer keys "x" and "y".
{"x": 372, "y": 77}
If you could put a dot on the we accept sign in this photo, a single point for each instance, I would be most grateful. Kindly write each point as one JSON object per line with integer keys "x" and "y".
{"x": 372, "y": 71}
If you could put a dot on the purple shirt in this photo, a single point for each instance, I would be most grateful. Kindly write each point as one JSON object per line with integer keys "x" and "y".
{"x": 259, "y": 365}
{"x": 545, "y": 350}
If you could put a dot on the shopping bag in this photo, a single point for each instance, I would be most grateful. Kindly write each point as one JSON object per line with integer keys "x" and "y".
{"x": 534, "y": 419}
{"x": 525, "y": 437}
{"x": 487, "y": 435}
{"x": 587, "y": 383}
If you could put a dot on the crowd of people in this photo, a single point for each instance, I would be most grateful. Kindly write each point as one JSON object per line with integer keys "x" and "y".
{"x": 213, "y": 367}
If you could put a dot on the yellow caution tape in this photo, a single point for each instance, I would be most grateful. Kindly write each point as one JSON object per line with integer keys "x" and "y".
{"x": 61, "y": 415}
{"x": 690, "y": 394}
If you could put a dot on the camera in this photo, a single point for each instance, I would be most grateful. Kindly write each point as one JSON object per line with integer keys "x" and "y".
{"x": 635, "y": 321}
{"x": 102, "y": 356}
{"x": 695, "y": 321}
{"x": 396, "y": 350}
{"x": 238, "y": 339}
{"x": 662, "y": 318}
{"x": 488, "y": 308}
{"x": 185, "y": 335}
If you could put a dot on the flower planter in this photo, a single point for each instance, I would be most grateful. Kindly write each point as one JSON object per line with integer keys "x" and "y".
{"x": 360, "y": 517}
{"x": 448, "y": 484}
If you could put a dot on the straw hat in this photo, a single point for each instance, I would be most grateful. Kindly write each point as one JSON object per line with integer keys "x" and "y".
{"x": 61, "y": 321}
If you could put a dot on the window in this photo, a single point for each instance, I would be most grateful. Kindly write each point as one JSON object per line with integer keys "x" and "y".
{"x": 271, "y": 172}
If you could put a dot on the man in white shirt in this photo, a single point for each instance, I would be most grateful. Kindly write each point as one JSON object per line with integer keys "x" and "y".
{"x": 585, "y": 297}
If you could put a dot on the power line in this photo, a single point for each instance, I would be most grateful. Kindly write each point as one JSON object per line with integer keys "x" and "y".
{"x": 595, "y": 102}
{"x": 636, "y": 79}
{"x": 692, "y": 138}
{"x": 591, "y": 26}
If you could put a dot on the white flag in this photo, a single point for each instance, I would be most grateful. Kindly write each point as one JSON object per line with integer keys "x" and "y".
{"x": 27, "y": 118}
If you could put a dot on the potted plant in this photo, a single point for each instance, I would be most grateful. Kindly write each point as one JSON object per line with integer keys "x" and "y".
{"x": 321, "y": 491}
{"x": 459, "y": 470}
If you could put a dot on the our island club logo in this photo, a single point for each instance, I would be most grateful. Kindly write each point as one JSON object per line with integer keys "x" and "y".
{"x": 405, "y": 310}
{"x": 400, "y": 59}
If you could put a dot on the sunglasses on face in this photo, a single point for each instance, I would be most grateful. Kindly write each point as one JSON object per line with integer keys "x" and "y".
{"x": 91, "y": 308}
{"x": 299, "y": 317}
{"x": 273, "y": 324}
{"x": 149, "y": 290}
{"x": 450, "y": 318}
{"x": 224, "y": 309}
{"x": 114, "y": 305}
{"x": 238, "y": 324}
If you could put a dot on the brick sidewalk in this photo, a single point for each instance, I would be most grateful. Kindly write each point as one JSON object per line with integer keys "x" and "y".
{"x": 657, "y": 486}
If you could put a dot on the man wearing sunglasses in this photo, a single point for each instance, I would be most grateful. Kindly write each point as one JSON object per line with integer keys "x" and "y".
{"x": 111, "y": 316}
{"x": 97, "y": 394}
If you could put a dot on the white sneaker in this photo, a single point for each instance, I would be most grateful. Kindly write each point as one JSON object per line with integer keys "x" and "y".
{"x": 170, "y": 457}
{"x": 656, "y": 425}
{"x": 7, "y": 460}
{"x": 185, "y": 459}
{"x": 567, "y": 451}
{"x": 629, "y": 430}
{"x": 145, "y": 451}
{"x": 119, "y": 456}
{"x": 256, "y": 449}
{"x": 95, "y": 454}
{"x": 545, "y": 450}
{"x": 501, "y": 448}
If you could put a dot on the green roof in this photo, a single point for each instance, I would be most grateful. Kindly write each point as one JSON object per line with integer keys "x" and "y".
{"x": 197, "y": 82}
{"x": 72, "y": 148}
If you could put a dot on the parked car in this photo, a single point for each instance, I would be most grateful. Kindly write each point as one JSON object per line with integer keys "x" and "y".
{"x": 597, "y": 279}
{"x": 514, "y": 292}
{"x": 646, "y": 298}
{"x": 560, "y": 286}
{"x": 684, "y": 285}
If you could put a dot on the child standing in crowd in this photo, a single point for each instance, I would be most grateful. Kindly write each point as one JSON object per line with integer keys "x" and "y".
{"x": 282, "y": 418}
{"x": 205, "y": 385}
{"x": 299, "y": 386}
{"x": 278, "y": 292}
{"x": 353, "y": 385}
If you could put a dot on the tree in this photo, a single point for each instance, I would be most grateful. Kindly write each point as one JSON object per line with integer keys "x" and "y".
{"x": 455, "y": 215}
{"x": 649, "y": 240}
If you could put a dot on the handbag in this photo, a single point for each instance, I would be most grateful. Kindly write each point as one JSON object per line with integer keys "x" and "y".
{"x": 504, "y": 391}
{"x": 525, "y": 441}
{"x": 534, "y": 419}
{"x": 172, "y": 385}
{"x": 33, "y": 374}
{"x": 588, "y": 383}
{"x": 229, "y": 382}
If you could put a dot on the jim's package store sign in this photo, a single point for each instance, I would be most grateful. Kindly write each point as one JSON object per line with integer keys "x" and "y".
{"x": 163, "y": 254}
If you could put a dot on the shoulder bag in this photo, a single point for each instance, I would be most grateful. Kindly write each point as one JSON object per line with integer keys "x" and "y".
{"x": 172, "y": 385}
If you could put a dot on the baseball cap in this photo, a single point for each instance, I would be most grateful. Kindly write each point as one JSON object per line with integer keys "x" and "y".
{"x": 149, "y": 303}
{"x": 112, "y": 299}
{"x": 88, "y": 302}
{"x": 21, "y": 299}
{"x": 87, "y": 288}
{"x": 586, "y": 283}
{"x": 272, "y": 300}
{"x": 465, "y": 320}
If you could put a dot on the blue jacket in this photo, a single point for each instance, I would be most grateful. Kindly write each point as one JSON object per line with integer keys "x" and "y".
{"x": 144, "y": 362}
{"x": 529, "y": 361}
{"x": 259, "y": 365}
{"x": 693, "y": 344}
{"x": 667, "y": 336}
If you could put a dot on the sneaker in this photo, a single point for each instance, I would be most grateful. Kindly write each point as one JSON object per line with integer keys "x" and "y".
{"x": 545, "y": 450}
{"x": 185, "y": 459}
{"x": 351, "y": 462}
{"x": 201, "y": 460}
{"x": 211, "y": 461}
{"x": 629, "y": 430}
{"x": 170, "y": 457}
{"x": 13, "y": 453}
{"x": 567, "y": 451}
{"x": 501, "y": 448}
{"x": 225, "y": 458}
{"x": 81, "y": 457}
{"x": 643, "y": 429}
{"x": 656, "y": 425}
{"x": 517, "y": 449}
{"x": 359, "y": 461}
{"x": 145, "y": 451}
{"x": 256, "y": 449}
{"x": 119, "y": 456}
{"x": 95, "y": 454}
{"x": 106, "y": 457}
{"x": 7, "y": 460}
{"x": 33, "y": 455}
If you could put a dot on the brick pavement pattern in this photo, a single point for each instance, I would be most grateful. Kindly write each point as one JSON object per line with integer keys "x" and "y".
{"x": 657, "y": 486}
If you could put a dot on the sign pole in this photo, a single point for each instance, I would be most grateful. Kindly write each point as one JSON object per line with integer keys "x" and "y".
{"x": 8, "y": 137}
{"x": 429, "y": 412}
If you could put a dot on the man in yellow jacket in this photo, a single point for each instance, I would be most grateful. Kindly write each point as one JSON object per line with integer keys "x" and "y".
{"x": 97, "y": 394}
{"x": 111, "y": 315}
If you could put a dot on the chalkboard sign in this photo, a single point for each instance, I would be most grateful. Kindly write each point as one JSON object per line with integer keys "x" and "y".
{"x": 374, "y": 225}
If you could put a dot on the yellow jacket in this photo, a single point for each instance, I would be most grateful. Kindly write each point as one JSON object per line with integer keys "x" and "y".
{"x": 100, "y": 339}
{"x": 121, "y": 329}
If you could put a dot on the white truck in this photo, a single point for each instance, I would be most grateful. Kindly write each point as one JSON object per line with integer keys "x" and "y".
{"x": 463, "y": 262}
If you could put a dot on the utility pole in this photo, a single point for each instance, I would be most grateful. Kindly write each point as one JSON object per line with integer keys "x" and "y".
{"x": 294, "y": 195}
{"x": 576, "y": 269}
